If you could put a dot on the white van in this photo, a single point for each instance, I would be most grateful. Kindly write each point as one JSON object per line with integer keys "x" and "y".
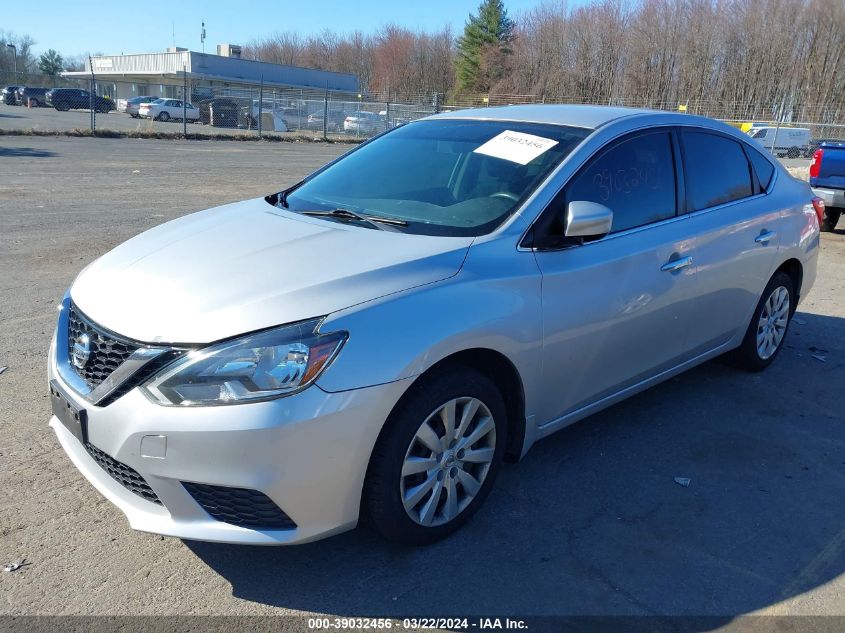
{"x": 791, "y": 141}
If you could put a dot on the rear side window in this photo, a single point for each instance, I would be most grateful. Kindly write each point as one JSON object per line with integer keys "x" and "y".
{"x": 716, "y": 170}
{"x": 763, "y": 168}
{"x": 635, "y": 179}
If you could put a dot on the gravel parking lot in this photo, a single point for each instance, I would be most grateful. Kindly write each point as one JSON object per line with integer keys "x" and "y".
{"x": 51, "y": 120}
{"x": 590, "y": 522}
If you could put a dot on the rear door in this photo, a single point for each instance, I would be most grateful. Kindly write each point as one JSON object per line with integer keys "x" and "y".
{"x": 736, "y": 229}
{"x": 616, "y": 310}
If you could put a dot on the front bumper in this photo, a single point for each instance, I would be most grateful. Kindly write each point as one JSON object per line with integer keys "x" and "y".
{"x": 831, "y": 197}
{"x": 307, "y": 452}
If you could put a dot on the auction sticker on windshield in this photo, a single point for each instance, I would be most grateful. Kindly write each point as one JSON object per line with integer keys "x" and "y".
{"x": 516, "y": 147}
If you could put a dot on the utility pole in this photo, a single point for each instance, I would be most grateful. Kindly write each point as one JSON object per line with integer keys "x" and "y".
{"x": 184, "y": 101}
{"x": 92, "y": 99}
{"x": 15, "y": 55}
{"x": 260, "y": 104}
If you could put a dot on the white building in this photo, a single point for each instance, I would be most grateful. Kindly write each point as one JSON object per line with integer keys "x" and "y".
{"x": 163, "y": 74}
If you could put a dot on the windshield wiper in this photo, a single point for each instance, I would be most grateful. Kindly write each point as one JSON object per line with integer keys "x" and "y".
{"x": 346, "y": 214}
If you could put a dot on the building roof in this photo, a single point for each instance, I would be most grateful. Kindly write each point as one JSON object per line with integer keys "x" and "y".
{"x": 216, "y": 67}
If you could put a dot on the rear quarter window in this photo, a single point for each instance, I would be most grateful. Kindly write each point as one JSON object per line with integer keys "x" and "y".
{"x": 763, "y": 168}
{"x": 715, "y": 168}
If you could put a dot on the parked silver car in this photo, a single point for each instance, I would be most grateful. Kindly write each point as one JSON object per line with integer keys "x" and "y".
{"x": 374, "y": 341}
{"x": 131, "y": 106}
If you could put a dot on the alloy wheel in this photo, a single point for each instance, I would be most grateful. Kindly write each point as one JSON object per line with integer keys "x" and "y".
{"x": 774, "y": 318}
{"x": 447, "y": 462}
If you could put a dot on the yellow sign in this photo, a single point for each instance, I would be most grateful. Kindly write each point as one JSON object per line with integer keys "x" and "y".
{"x": 486, "y": 99}
{"x": 682, "y": 107}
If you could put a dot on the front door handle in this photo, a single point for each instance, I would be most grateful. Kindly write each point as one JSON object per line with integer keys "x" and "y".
{"x": 765, "y": 237}
{"x": 676, "y": 264}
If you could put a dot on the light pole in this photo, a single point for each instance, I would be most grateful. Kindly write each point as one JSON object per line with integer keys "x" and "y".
{"x": 14, "y": 55}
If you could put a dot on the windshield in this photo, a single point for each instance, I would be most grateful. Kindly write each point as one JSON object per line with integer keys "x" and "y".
{"x": 759, "y": 133}
{"x": 442, "y": 177}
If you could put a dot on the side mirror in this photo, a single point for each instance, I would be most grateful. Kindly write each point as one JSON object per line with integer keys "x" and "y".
{"x": 587, "y": 219}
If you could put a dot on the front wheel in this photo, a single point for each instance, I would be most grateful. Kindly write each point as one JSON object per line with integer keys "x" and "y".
{"x": 769, "y": 325}
{"x": 829, "y": 219}
{"x": 437, "y": 458}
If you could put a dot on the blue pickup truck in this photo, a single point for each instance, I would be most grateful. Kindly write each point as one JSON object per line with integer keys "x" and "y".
{"x": 827, "y": 178}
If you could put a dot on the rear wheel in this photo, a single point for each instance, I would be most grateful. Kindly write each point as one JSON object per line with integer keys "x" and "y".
{"x": 769, "y": 325}
{"x": 830, "y": 218}
{"x": 437, "y": 458}
{"x": 164, "y": 116}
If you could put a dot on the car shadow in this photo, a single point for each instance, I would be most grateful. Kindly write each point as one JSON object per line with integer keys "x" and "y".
{"x": 593, "y": 522}
{"x": 25, "y": 152}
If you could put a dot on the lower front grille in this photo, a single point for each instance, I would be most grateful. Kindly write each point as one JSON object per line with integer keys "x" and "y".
{"x": 123, "y": 474}
{"x": 240, "y": 506}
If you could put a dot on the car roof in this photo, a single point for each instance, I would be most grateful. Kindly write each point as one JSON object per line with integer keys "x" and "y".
{"x": 585, "y": 116}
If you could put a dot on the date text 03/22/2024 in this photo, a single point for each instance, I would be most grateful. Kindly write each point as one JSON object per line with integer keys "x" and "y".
{"x": 465, "y": 624}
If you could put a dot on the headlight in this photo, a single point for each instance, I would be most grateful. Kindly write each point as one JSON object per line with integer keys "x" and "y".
{"x": 259, "y": 366}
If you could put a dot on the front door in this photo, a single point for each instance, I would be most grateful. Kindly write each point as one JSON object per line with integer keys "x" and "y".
{"x": 615, "y": 310}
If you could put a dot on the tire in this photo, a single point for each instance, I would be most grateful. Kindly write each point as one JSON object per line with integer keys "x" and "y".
{"x": 34, "y": 103}
{"x": 454, "y": 480}
{"x": 829, "y": 219}
{"x": 164, "y": 116}
{"x": 62, "y": 107}
{"x": 753, "y": 355}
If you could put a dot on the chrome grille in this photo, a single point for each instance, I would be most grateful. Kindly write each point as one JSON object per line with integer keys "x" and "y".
{"x": 107, "y": 351}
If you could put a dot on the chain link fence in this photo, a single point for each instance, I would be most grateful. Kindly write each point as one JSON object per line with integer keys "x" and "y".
{"x": 186, "y": 105}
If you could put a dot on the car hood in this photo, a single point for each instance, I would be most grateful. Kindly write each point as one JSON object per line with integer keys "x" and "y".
{"x": 249, "y": 265}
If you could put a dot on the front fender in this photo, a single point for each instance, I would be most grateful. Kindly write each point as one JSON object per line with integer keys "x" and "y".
{"x": 492, "y": 303}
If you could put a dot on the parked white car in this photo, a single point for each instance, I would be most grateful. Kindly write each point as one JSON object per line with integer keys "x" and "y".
{"x": 131, "y": 106}
{"x": 167, "y": 109}
{"x": 791, "y": 142}
{"x": 363, "y": 123}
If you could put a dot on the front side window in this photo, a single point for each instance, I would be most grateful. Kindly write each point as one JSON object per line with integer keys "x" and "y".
{"x": 441, "y": 177}
{"x": 635, "y": 179}
{"x": 716, "y": 170}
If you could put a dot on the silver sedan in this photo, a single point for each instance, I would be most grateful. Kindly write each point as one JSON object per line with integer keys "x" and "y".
{"x": 372, "y": 342}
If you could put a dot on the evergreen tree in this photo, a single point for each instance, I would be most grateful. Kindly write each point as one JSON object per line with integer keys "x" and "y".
{"x": 484, "y": 47}
{"x": 51, "y": 63}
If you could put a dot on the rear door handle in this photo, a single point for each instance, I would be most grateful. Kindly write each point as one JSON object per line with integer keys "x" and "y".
{"x": 676, "y": 264}
{"x": 765, "y": 237}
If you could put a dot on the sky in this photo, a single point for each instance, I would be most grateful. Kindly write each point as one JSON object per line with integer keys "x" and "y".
{"x": 134, "y": 27}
